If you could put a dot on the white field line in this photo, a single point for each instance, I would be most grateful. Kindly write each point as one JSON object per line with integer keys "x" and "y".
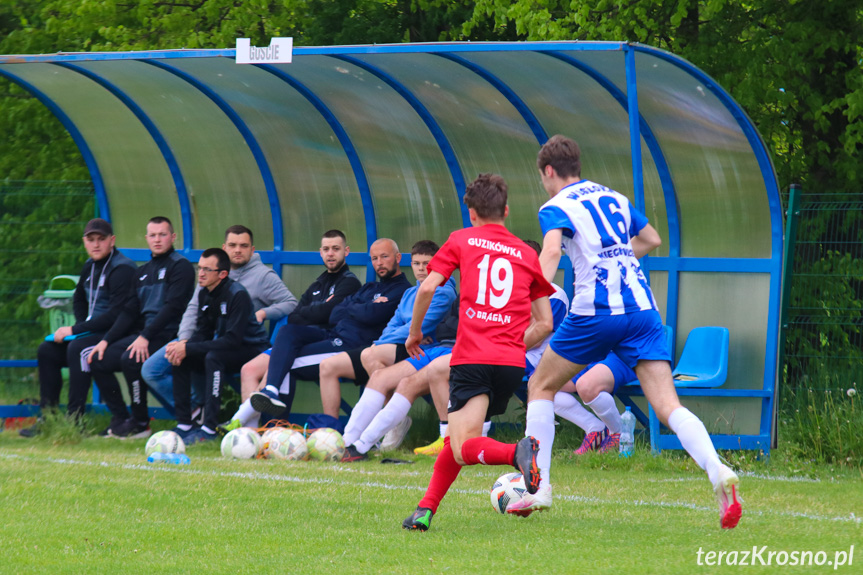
{"x": 256, "y": 475}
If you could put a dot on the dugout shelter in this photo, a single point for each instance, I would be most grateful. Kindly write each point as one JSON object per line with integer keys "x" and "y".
{"x": 379, "y": 141}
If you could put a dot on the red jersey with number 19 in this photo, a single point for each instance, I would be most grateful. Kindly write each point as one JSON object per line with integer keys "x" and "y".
{"x": 500, "y": 277}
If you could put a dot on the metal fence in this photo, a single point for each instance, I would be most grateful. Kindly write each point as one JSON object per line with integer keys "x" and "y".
{"x": 824, "y": 338}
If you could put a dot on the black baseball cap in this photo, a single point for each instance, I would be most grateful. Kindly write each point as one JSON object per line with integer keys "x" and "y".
{"x": 98, "y": 226}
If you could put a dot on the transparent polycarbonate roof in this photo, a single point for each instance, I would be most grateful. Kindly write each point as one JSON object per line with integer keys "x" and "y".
{"x": 380, "y": 141}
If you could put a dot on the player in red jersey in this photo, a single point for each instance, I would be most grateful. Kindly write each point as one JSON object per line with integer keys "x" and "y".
{"x": 502, "y": 287}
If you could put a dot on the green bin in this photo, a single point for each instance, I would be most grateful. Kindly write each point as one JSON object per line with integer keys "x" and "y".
{"x": 60, "y": 292}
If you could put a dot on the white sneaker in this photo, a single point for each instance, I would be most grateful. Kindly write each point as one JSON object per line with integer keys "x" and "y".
{"x": 539, "y": 501}
{"x": 396, "y": 435}
{"x": 726, "y": 494}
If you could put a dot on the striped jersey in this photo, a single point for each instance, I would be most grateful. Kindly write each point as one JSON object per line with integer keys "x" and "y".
{"x": 559, "y": 302}
{"x": 597, "y": 224}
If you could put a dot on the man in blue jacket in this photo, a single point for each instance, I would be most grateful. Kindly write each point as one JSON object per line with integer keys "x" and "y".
{"x": 356, "y": 322}
{"x": 360, "y": 363}
{"x": 227, "y": 335}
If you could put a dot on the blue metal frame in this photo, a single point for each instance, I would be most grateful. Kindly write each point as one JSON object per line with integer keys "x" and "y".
{"x": 77, "y": 137}
{"x": 346, "y": 143}
{"x": 638, "y": 127}
{"x": 251, "y": 141}
{"x": 430, "y": 122}
{"x": 775, "y": 205}
{"x": 161, "y": 143}
{"x": 642, "y": 129}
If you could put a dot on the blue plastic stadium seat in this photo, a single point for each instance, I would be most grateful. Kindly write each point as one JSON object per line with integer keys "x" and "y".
{"x": 704, "y": 361}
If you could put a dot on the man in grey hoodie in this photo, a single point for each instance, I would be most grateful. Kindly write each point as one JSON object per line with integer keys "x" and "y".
{"x": 270, "y": 297}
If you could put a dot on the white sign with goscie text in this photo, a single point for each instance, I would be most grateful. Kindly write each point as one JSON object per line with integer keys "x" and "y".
{"x": 280, "y": 51}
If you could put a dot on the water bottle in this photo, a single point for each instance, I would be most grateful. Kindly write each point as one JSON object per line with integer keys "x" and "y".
{"x": 627, "y": 433}
{"x": 175, "y": 458}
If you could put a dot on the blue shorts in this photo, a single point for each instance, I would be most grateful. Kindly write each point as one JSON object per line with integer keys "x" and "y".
{"x": 623, "y": 374}
{"x": 431, "y": 354}
{"x": 633, "y": 336}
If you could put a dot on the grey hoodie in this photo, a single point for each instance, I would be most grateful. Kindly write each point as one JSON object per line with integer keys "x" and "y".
{"x": 267, "y": 289}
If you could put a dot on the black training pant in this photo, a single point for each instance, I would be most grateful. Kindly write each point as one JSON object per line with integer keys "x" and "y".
{"x": 118, "y": 358}
{"x": 217, "y": 366}
{"x": 52, "y": 358}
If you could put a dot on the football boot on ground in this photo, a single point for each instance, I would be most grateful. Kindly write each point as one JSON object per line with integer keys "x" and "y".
{"x": 395, "y": 436}
{"x": 610, "y": 443}
{"x": 591, "y": 442}
{"x": 726, "y": 494}
{"x": 198, "y": 435}
{"x": 352, "y": 454}
{"x": 420, "y": 520}
{"x": 131, "y": 429}
{"x": 228, "y": 427}
{"x": 539, "y": 501}
{"x": 433, "y": 448}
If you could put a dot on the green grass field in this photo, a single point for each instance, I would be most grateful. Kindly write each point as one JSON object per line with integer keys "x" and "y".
{"x": 98, "y": 507}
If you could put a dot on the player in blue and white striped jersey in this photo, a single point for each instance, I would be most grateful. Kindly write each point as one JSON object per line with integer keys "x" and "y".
{"x": 612, "y": 310}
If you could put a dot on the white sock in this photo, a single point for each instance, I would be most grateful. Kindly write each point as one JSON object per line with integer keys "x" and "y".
{"x": 695, "y": 440}
{"x": 184, "y": 426}
{"x": 486, "y": 426}
{"x": 605, "y": 408}
{"x": 369, "y": 404}
{"x": 246, "y": 412}
{"x": 540, "y": 424}
{"x": 568, "y": 407}
{"x": 391, "y": 415}
{"x": 443, "y": 427}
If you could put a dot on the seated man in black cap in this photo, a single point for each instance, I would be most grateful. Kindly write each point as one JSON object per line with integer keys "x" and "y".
{"x": 100, "y": 295}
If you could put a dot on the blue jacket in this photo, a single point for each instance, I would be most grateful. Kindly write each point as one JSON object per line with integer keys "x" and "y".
{"x": 358, "y": 320}
{"x": 399, "y": 327}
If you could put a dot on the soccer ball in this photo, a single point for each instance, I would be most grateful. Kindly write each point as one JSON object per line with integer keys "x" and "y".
{"x": 242, "y": 443}
{"x": 269, "y": 433}
{"x": 326, "y": 444}
{"x": 164, "y": 442}
{"x": 285, "y": 444}
{"x": 506, "y": 489}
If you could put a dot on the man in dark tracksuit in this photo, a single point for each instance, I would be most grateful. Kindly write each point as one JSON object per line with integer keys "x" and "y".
{"x": 150, "y": 320}
{"x": 356, "y": 322}
{"x": 100, "y": 295}
{"x": 227, "y": 336}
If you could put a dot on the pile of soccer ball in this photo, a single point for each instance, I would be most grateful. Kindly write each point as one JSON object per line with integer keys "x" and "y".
{"x": 282, "y": 443}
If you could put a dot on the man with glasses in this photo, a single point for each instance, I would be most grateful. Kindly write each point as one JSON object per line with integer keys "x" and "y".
{"x": 227, "y": 335}
{"x": 270, "y": 297}
{"x": 161, "y": 290}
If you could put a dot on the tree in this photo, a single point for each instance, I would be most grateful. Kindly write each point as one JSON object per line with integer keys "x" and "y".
{"x": 793, "y": 67}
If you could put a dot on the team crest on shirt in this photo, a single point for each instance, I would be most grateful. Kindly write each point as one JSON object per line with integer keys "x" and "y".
{"x": 162, "y": 274}
{"x": 470, "y": 313}
{"x": 224, "y": 308}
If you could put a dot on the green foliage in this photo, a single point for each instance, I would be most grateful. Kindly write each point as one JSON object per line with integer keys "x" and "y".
{"x": 794, "y": 69}
{"x": 40, "y": 237}
{"x": 823, "y": 425}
